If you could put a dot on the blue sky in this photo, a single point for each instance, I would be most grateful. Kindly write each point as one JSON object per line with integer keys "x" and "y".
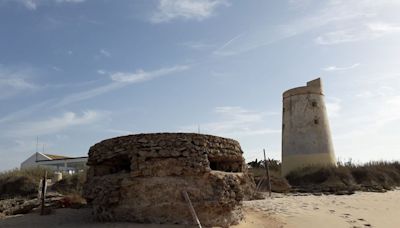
{"x": 74, "y": 72}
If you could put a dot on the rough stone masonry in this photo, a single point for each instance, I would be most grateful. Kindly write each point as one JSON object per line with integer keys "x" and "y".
{"x": 141, "y": 178}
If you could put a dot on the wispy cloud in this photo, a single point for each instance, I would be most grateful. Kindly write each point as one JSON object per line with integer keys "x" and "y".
{"x": 56, "y": 68}
{"x": 258, "y": 38}
{"x": 55, "y": 124}
{"x": 70, "y": 1}
{"x": 119, "y": 80}
{"x": 223, "y": 50}
{"x": 141, "y": 75}
{"x": 364, "y": 32}
{"x": 100, "y": 71}
{"x": 340, "y": 36}
{"x": 105, "y": 53}
{"x": 382, "y": 28}
{"x": 386, "y": 112}
{"x": 26, "y": 111}
{"x": 391, "y": 112}
{"x": 16, "y": 83}
{"x": 120, "y": 132}
{"x": 33, "y": 4}
{"x": 235, "y": 121}
{"x": 14, "y": 80}
{"x": 197, "y": 45}
{"x": 87, "y": 94}
{"x": 336, "y": 22}
{"x": 333, "y": 107}
{"x": 29, "y": 4}
{"x": 336, "y": 68}
{"x": 381, "y": 92}
{"x": 367, "y": 124}
{"x": 168, "y": 10}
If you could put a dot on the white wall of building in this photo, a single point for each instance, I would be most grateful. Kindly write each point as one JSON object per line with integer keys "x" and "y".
{"x": 31, "y": 161}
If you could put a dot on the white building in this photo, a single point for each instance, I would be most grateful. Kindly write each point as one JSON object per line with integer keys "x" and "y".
{"x": 55, "y": 162}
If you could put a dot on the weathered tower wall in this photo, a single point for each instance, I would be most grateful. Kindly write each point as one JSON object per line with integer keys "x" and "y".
{"x": 306, "y": 135}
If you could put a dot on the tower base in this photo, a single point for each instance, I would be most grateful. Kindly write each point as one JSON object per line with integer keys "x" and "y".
{"x": 293, "y": 162}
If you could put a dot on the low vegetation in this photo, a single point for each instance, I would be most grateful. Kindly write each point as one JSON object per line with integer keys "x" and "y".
{"x": 71, "y": 184}
{"x": 35, "y": 173}
{"x": 21, "y": 182}
{"x": 258, "y": 171}
{"x": 345, "y": 178}
{"x": 25, "y": 182}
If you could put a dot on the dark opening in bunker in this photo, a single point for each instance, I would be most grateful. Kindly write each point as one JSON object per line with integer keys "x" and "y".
{"x": 226, "y": 166}
{"x": 118, "y": 164}
{"x": 122, "y": 164}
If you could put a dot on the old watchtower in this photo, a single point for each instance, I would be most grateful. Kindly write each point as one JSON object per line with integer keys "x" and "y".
{"x": 306, "y": 135}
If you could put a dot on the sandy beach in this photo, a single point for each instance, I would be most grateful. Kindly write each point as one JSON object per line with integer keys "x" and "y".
{"x": 363, "y": 209}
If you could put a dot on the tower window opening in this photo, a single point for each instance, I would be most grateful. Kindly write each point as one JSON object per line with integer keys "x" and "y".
{"x": 314, "y": 104}
{"x": 316, "y": 121}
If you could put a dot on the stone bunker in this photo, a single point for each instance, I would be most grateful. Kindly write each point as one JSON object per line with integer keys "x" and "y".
{"x": 141, "y": 178}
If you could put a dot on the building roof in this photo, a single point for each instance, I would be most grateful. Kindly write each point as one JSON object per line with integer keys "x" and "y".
{"x": 54, "y": 157}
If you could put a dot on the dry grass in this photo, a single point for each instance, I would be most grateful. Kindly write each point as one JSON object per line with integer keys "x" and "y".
{"x": 72, "y": 201}
{"x": 24, "y": 182}
{"x": 35, "y": 173}
{"x": 278, "y": 183}
{"x": 344, "y": 178}
{"x": 373, "y": 176}
{"x": 71, "y": 184}
{"x": 21, "y": 182}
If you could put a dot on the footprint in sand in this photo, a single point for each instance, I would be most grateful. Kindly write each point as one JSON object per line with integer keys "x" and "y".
{"x": 332, "y": 211}
{"x": 355, "y": 223}
{"x": 345, "y": 215}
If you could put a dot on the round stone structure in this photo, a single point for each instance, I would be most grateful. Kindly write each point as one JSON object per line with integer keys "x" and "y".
{"x": 142, "y": 177}
{"x": 306, "y": 135}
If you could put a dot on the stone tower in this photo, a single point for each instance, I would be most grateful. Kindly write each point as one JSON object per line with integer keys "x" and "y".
{"x": 306, "y": 135}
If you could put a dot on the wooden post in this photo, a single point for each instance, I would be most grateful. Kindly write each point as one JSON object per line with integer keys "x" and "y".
{"x": 260, "y": 183}
{"x": 267, "y": 172}
{"x": 191, "y": 208}
{"x": 44, "y": 183}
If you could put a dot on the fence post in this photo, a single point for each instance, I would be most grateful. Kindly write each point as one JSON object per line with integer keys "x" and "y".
{"x": 191, "y": 208}
{"x": 267, "y": 172}
{"x": 44, "y": 183}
